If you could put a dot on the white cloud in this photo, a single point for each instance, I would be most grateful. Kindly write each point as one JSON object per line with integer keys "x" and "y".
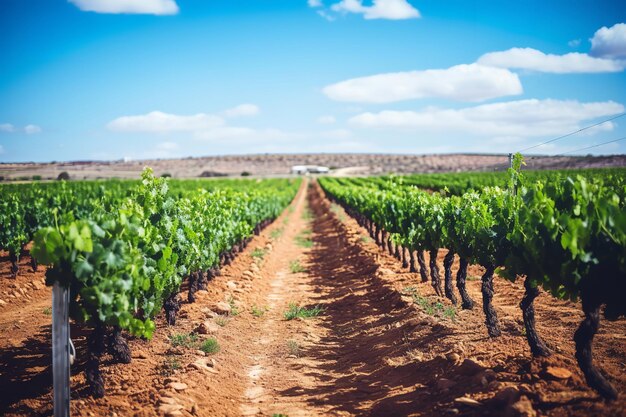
{"x": 523, "y": 118}
{"x": 1, "y": 150}
{"x": 609, "y": 42}
{"x": 326, "y": 15}
{"x": 7, "y": 127}
{"x": 32, "y": 129}
{"x": 156, "y": 7}
{"x": 157, "y": 121}
{"x": 574, "y": 43}
{"x": 315, "y": 3}
{"x": 242, "y": 110}
{"x": 471, "y": 82}
{"x": 534, "y": 60}
{"x": 326, "y": 120}
{"x": 380, "y": 9}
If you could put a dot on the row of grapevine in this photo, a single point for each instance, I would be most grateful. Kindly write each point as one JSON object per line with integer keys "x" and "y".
{"x": 566, "y": 234}
{"x": 124, "y": 249}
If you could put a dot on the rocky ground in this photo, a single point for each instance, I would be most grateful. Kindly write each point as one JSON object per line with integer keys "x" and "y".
{"x": 383, "y": 344}
{"x": 279, "y": 165}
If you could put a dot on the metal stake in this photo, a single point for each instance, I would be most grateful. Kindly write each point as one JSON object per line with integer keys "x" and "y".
{"x": 61, "y": 350}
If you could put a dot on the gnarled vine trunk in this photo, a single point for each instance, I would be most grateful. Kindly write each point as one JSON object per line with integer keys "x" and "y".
{"x": 405, "y": 262}
{"x": 423, "y": 267}
{"x": 537, "y": 346}
{"x": 202, "y": 281}
{"x": 389, "y": 244}
{"x": 461, "y": 276}
{"x": 448, "y": 286}
{"x": 14, "y": 266}
{"x": 118, "y": 347}
{"x": 377, "y": 234}
{"x": 491, "y": 318}
{"x": 584, "y": 340}
{"x": 193, "y": 286}
{"x": 412, "y": 267}
{"x": 33, "y": 264}
{"x": 171, "y": 307}
{"x": 434, "y": 273}
{"x": 93, "y": 375}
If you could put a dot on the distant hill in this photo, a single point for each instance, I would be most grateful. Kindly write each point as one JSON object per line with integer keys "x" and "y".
{"x": 280, "y": 165}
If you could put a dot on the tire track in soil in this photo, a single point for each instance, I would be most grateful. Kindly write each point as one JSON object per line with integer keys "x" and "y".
{"x": 346, "y": 366}
{"x": 280, "y": 357}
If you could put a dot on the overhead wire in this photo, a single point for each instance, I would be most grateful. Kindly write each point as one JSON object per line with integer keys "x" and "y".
{"x": 593, "y": 146}
{"x": 572, "y": 133}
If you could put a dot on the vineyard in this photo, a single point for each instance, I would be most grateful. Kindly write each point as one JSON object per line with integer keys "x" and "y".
{"x": 475, "y": 294}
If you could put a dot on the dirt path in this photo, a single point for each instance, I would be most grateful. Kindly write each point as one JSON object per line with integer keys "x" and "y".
{"x": 383, "y": 345}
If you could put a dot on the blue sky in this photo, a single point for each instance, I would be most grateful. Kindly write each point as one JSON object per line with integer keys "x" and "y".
{"x": 111, "y": 79}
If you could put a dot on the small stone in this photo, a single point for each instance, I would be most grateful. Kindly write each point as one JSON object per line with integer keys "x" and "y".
{"x": 200, "y": 353}
{"x": 2, "y": 302}
{"x": 207, "y": 327}
{"x": 428, "y": 321}
{"x": 444, "y": 383}
{"x": 453, "y": 357}
{"x": 167, "y": 400}
{"x": 175, "y": 351}
{"x": 170, "y": 409}
{"x": 139, "y": 355}
{"x": 208, "y": 312}
{"x": 467, "y": 401}
{"x": 558, "y": 373}
{"x": 413, "y": 322}
{"x": 202, "y": 364}
{"x": 178, "y": 386}
{"x": 494, "y": 385}
{"x": 490, "y": 374}
{"x": 506, "y": 395}
{"x": 470, "y": 367}
{"x": 202, "y": 293}
{"x": 451, "y": 411}
{"x": 231, "y": 285}
{"x": 407, "y": 299}
{"x": 222, "y": 308}
{"x": 522, "y": 408}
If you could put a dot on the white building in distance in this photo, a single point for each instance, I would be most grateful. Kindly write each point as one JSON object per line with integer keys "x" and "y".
{"x": 309, "y": 169}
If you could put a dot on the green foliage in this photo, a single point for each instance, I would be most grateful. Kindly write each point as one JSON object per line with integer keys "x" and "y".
{"x": 259, "y": 253}
{"x": 210, "y": 346}
{"x": 258, "y": 311}
{"x": 565, "y": 230}
{"x": 303, "y": 239}
{"x": 186, "y": 340}
{"x": 221, "y": 321}
{"x": 295, "y": 311}
{"x": 123, "y": 247}
{"x": 169, "y": 366}
{"x": 293, "y": 348}
{"x": 295, "y": 267}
